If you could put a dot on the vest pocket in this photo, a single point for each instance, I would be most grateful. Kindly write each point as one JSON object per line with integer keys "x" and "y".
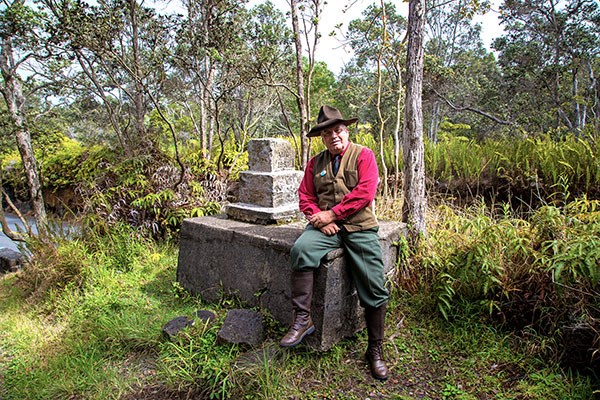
{"x": 350, "y": 178}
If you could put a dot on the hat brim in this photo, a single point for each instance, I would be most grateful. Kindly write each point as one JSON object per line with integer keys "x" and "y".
{"x": 316, "y": 130}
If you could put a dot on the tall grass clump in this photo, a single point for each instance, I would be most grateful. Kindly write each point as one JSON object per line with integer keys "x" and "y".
{"x": 84, "y": 318}
{"x": 537, "y": 274}
{"x": 193, "y": 362}
{"x": 531, "y": 170}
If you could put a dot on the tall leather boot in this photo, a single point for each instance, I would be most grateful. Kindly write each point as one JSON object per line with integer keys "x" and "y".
{"x": 375, "y": 318}
{"x": 302, "y": 324}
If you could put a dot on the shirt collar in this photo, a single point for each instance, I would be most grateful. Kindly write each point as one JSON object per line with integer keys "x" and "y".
{"x": 342, "y": 153}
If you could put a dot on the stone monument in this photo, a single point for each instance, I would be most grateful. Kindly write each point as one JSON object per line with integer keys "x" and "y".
{"x": 246, "y": 252}
{"x": 268, "y": 190}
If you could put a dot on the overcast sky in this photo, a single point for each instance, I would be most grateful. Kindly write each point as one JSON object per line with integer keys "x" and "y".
{"x": 343, "y": 11}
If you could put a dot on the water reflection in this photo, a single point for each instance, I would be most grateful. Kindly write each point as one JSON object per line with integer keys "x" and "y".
{"x": 63, "y": 229}
{"x": 15, "y": 224}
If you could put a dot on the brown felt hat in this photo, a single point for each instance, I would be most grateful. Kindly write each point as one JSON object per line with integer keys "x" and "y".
{"x": 329, "y": 116}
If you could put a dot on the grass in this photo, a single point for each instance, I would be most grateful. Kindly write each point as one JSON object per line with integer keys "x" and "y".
{"x": 97, "y": 335}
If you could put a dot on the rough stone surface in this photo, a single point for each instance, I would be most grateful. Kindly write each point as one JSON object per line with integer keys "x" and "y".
{"x": 275, "y": 189}
{"x": 176, "y": 325}
{"x": 205, "y": 315}
{"x": 268, "y": 190}
{"x": 263, "y": 215}
{"x": 270, "y": 155}
{"x": 10, "y": 260}
{"x": 242, "y": 327}
{"x": 219, "y": 255}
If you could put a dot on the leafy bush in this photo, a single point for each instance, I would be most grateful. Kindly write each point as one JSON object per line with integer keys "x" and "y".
{"x": 65, "y": 166}
{"x": 153, "y": 195}
{"x": 538, "y": 274}
{"x": 148, "y": 192}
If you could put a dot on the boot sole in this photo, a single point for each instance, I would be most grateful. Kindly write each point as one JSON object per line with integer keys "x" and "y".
{"x": 378, "y": 377}
{"x": 297, "y": 342}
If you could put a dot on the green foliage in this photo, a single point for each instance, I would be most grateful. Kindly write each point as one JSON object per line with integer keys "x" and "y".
{"x": 535, "y": 169}
{"x": 153, "y": 195}
{"x": 54, "y": 267}
{"x": 65, "y": 166}
{"x": 450, "y": 129}
{"x": 193, "y": 357}
{"x": 69, "y": 163}
{"x": 543, "y": 51}
{"x": 538, "y": 273}
{"x": 233, "y": 158}
{"x": 90, "y": 326}
{"x": 99, "y": 337}
{"x": 19, "y": 20}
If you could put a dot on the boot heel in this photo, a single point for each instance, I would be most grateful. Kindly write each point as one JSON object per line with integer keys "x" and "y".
{"x": 296, "y": 334}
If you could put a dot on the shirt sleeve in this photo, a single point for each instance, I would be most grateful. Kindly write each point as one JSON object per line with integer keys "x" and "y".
{"x": 307, "y": 197}
{"x": 365, "y": 191}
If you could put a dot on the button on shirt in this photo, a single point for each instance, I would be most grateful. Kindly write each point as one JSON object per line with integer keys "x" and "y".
{"x": 360, "y": 197}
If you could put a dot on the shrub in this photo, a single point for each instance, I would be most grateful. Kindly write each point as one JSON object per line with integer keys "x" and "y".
{"x": 538, "y": 274}
{"x": 53, "y": 266}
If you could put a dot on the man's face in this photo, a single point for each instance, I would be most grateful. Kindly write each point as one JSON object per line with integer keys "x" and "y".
{"x": 335, "y": 138}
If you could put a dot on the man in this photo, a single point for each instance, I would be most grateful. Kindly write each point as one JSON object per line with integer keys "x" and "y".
{"x": 336, "y": 195}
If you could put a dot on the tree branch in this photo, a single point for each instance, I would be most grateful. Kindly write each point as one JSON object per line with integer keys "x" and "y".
{"x": 13, "y": 235}
{"x": 472, "y": 109}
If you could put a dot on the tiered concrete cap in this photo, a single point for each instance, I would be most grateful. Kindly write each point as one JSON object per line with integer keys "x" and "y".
{"x": 268, "y": 190}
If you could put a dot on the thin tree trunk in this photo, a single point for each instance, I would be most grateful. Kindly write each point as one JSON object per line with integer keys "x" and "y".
{"x": 382, "y": 121}
{"x": 595, "y": 104}
{"x": 576, "y": 107}
{"x": 316, "y": 17}
{"x": 397, "y": 131}
{"x": 208, "y": 128}
{"x": 413, "y": 209}
{"x": 15, "y": 101}
{"x": 435, "y": 121}
{"x": 138, "y": 95}
{"x": 11, "y": 234}
{"x": 300, "y": 99}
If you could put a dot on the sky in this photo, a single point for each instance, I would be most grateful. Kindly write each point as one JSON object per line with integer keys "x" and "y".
{"x": 335, "y": 12}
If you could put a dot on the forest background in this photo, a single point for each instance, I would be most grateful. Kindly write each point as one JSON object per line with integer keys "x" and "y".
{"x": 125, "y": 119}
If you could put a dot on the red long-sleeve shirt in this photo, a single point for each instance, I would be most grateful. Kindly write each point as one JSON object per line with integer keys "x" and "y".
{"x": 360, "y": 197}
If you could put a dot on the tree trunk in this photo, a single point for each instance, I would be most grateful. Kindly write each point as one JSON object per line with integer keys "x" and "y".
{"x": 300, "y": 100}
{"x": 435, "y": 121}
{"x": 413, "y": 209}
{"x": 397, "y": 131}
{"x": 138, "y": 95}
{"x": 11, "y": 234}
{"x": 207, "y": 109}
{"x": 382, "y": 120}
{"x": 381, "y": 126}
{"x": 13, "y": 96}
{"x": 593, "y": 90}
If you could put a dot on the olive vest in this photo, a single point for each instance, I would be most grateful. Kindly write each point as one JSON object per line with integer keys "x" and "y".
{"x": 331, "y": 189}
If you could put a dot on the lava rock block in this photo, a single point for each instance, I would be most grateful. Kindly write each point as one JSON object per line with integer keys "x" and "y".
{"x": 176, "y": 325}
{"x": 242, "y": 327}
{"x": 205, "y": 315}
{"x": 10, "y": 260}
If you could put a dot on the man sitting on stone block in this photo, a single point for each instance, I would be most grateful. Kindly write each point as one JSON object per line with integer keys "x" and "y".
{"x": 336, "y": 195}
